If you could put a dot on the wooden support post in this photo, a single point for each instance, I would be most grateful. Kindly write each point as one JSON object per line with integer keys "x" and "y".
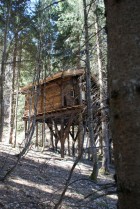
{"x": 68, "y": 145}
{"x": 51, "y": 136}
{"x": 74, "y": 138}
{"x": 57, "y": 135}
{"x": 25, "y": 124}
{"x": 80, "y": 135}
{"x": 36, "y": 142}
{"x": 43, "y": 135}
{"x": 62, "y": 139}
{"x": 65, "y": 132}
{"x": 73, "y": 141}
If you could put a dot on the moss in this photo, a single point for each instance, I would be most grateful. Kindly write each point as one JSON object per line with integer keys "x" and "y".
{"x": 100, "y": 156}
{"x": 104, "y": 171}
{"x": 93, "y": 176}
{"x": 103, "y": 205}
{"x": 94, "y": 173}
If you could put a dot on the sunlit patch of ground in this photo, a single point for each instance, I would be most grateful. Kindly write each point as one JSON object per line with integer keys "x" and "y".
{"x": 39, "y": 179}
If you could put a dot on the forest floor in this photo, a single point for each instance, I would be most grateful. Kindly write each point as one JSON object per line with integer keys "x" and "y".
{"x": 40, "y": 177}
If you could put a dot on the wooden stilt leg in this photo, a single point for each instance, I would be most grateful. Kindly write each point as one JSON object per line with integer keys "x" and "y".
{"x": 51, "y": 136}
{"x": 43, "y": 135}
{"x": 64, "y": 133}
{"x": 74, "y": 138}
{"x": 68, "y": 145}
{"x": 25, "y": 126}
{"x": 36, "y": 143}
{"x": 80, "y": 135}
{"x": 73, "y": 141}
{"x": 62, "y": 140}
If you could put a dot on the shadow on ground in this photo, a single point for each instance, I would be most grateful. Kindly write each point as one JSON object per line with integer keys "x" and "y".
{"x": 39, "y": 179}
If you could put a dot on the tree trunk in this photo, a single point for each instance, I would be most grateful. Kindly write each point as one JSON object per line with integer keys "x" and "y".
{"x": 2, "y": 73}
{"x": 15, "y": 121}
{"x": 78, "y": 52}
{"x": 103, "y": 99}
{"x": 88, "y": 97}
{"x": 123, "y": 26}
{"x": 17, "y": 91}
{"x": 13, "y": 97}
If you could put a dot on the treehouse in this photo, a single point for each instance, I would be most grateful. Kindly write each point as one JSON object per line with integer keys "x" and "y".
{"x": 53, "y": 96}
{"x": 57, "y": 101}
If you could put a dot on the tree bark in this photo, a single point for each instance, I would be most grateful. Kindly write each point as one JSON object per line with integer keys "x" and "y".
{"x": 13, "y": 97}
{"x": 88, "y": 97}
{"x": 103, "y": 99}
{"x": 2, "y": 74}
{"x": 17, "y": 92}
{"x": 123, "y": 26}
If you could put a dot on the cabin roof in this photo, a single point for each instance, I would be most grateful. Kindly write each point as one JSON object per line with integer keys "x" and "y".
{"x": 62, "y": 74}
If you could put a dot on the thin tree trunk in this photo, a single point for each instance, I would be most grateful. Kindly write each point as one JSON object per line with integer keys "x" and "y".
{"x": 2, "y": 74}
{"x": 78, "y": 53}
{"x": 13, "y": 98}
{"x": 17, "y": 91}
{"x": 88, "y": 95}
{"x": 103, "y": 98}
{"x": 15, "y": 121}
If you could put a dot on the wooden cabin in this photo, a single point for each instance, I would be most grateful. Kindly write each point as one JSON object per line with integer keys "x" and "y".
{"x": 56, "y": 101}
{"x": 57, "y": 93}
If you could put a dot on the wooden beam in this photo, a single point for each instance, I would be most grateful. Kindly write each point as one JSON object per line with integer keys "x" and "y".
{"x": 36, "y": 142}
{"x": 25, "y": 128}
{"x": 58, "y": 113}
{"x": 43, "y": 135}
{"x": 80, "y": 134}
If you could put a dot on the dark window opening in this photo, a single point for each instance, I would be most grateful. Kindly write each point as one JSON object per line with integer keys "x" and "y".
{"x": 65, "y": 101}
{"x": 72, "y": 93}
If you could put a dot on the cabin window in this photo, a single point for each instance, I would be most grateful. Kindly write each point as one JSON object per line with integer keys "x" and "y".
{"x": 65, "y": 101}
{"x": 72, "y": 93}
{"x": 69, "y": 98}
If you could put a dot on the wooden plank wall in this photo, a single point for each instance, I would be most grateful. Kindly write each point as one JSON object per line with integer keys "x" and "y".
{"x": 57, "y": 94}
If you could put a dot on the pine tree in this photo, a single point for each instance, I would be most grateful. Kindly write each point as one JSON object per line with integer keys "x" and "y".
{"x": 123, "y": 26}
{"x": 88, "y": 96}
{"x": 67, "y": 46}
{"x": 5, "y": 23}
{"x": 18, "y": 18}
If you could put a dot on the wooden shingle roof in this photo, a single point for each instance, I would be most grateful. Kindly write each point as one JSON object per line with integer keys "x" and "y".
{"x": 63, "y": 74}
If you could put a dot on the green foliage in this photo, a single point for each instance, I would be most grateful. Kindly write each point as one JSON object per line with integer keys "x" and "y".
{"x": 67, "y": 45}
